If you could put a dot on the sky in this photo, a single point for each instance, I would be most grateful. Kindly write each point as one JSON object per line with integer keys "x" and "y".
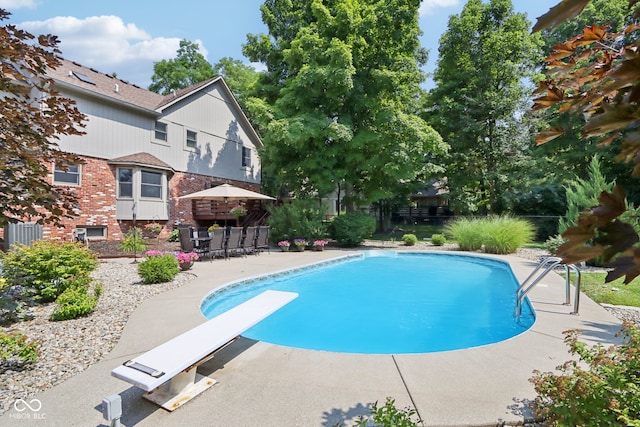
{"x": 127, "y": 37}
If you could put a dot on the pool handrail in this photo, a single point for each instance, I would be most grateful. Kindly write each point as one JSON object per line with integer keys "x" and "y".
{"x": 550, "y": 263}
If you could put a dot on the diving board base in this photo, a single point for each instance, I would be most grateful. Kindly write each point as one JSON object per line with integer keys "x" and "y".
{"x": 182, "y": 388}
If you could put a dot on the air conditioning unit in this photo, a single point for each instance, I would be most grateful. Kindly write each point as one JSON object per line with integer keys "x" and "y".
{"x": 80, "y": 235}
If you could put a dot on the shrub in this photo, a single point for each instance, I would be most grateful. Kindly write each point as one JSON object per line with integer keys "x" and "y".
{"x": 352, "y": 229}
{"x": 467, "y": 232}
{"x": 553, "y": 243}
{"x": 438, "y": 239}
{"x": 45, "y": 266}
{"x": 174, "y": 236}
{"x": 389, "y": 416}
{"x": 16, "y": 352}
{"x": 299, "y": 218}
{"x": 409, "y": 239}
{"x": 498, "y": 234}
{"x": 74, "y": 302}
{"x": 599, "y": 389}
{"x": 504, "y": 235}
{"x": 158, "y": 269}
{"x": 133, "y": 241}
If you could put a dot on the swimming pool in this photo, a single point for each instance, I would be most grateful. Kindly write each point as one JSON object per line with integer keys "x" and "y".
{"x": 386, "y": 302}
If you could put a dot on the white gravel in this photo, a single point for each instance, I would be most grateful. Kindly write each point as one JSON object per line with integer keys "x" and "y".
{"x": 69, "y": 347}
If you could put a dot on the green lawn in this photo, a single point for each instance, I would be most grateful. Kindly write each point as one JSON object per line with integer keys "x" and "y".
{"x": 421, "y": 231}
{"x": 617, "y": 293}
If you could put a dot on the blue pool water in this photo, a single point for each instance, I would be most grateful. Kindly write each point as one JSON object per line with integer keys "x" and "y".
{"x": 387, "y": 303}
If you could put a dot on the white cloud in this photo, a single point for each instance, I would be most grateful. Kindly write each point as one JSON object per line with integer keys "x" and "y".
{"x": 17, "y": 4}
{"x": 427, "y": 7}
{"x": 109, "y": 45}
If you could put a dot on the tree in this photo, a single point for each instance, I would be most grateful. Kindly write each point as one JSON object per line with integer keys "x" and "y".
{"x": 241, "y": 79}
{"x": 571, "y": 153}
{"x": 583, "y": 193}
{"x": 598, "y": 74}
{"x": 189, "y": 67}
{"x": 338, "y": 101}
{"x": 32, "y": 118}
{"x": 479, "y": 99}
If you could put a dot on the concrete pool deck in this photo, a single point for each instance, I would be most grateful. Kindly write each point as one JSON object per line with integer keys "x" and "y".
{"x": 264, "y": 385}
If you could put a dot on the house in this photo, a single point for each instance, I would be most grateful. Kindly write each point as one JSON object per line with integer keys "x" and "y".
{"x": 429, "y": 204}
{"x": 142, "y": 150}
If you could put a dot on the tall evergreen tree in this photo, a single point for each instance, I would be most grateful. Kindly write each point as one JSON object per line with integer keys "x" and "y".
{"x": 485, "y": 55}
{"x": 337, "y": 104}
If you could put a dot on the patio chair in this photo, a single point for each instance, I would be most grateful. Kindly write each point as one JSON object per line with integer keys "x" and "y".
{"x": 249, "y": 239}
{"x": 186, "y": 244}
{"x": 262, "y": 239}
{"x": 217, "y": 243}
{"x": 234, "y": 241}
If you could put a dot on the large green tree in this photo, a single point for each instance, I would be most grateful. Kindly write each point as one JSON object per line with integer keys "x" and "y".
{"x": 569, "y": 156}
{"x": 597, "y": 73}
{"x": 33, "y": 116}
{"x": 477, "y": 103}
{"x": 337, "y": 104}
{"x": 187, "y": 68}
{"x": 241, "y": 78}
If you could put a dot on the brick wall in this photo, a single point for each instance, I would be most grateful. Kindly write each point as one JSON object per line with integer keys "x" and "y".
{"x": 97, "y": 197}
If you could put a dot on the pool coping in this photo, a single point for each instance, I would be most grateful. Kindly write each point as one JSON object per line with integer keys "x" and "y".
{"x": 269, "y": 385}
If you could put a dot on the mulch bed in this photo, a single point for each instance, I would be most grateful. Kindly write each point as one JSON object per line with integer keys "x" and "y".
{"x": 111, "y": 249}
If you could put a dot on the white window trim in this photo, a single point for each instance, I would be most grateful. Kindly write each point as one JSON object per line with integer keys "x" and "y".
{"x": 186, "y": 139}
{"x": 161, "y": 185}
{"x": 164, "y": 141}
{"x": 133, "y": 183}
{"x": 68, "y": 184}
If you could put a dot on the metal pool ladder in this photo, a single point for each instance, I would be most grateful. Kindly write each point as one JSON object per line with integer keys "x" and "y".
{"x": 549, "y": 264}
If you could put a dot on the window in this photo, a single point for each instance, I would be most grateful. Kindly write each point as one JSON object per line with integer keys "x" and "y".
{"x": 125, "y": 182}
{"x": 246, "y": 157}
{"x": 93, "y": 232}
{"x": 71, "y": 176}
{"x": 192, "y": 139}
{"x": 83, "y": 77}
{"x": 161, "y": 131}
{"x": 151, "y": 185}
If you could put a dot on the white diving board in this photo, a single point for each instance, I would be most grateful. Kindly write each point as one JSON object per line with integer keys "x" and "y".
{"x": 168, "y": 372}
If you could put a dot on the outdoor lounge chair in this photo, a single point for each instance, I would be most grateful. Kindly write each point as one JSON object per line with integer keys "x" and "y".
{"x": 217, "y": 243}
{"x": 168, "y": 371}
{"x": 262, "y": 240}
{"x": 249, "y": 239}
{"x": 234, "y": 241}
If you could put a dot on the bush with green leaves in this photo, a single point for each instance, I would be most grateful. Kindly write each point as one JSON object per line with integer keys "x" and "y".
{"x": 300, "y": 218}
{"x": 389, "y": 416}
{"x": 504, "y": 234}
{"x": 16, "y": 351}
{"x": 46, "y": 266}
{"x": 467, "y": 232}
{"x": 174, "y": 236}
{"x": 497, "y": 234}
{"x": 133, "y": 241}
{"x": 158, "y": 269}
{"x": 351, "y": 229}
{"x": 438, "y": 239}
{"x": 553, "y": 243}
{"x": 601, "y": 388}
{"x": 409, "y": 239}
{"x": 75, "y": 301}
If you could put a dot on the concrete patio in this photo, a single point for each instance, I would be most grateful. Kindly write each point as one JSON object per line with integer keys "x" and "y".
{"x": 264, "y": 385}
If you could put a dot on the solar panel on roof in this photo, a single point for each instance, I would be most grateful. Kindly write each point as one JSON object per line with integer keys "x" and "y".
{"x": 83, "y": 77}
